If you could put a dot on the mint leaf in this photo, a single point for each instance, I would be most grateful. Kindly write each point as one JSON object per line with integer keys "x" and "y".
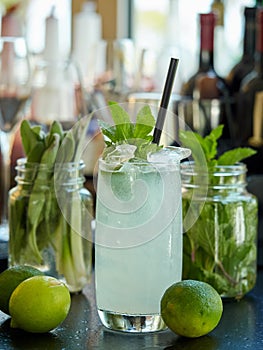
{"x": 216, "y": 133}
{"x": 123, "y": 126}
{"x": 193, "y": 141}
{"x": 108, "y": 130}
{"x": 235, "y": 155}
{"x": 125, "y": 131}
{"x": 145, "y": 122}
{"x": 209, "y": 145}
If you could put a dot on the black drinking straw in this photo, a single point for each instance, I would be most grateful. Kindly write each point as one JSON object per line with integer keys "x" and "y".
{"x": 165, "y": 100}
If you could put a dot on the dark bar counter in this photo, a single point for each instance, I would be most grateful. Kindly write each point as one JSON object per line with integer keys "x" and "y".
{"x": 241, "y": 328}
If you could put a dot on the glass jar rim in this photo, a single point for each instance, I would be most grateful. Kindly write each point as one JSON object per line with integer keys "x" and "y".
{"x": 21, "y": 162}
{"x": 189, "y": 168}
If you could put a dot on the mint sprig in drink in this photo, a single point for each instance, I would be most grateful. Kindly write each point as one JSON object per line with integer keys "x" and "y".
{"x": 138, "y": 250}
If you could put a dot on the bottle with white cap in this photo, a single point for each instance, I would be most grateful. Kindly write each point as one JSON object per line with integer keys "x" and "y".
{"x": 87, "y": 40}
{"x": 57, "y": 93}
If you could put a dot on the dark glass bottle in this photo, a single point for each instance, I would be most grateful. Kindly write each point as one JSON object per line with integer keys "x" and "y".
{"x": 246, "y": 64}
{"x": 205, "y": 83}
{"x": 250, "y": 96}
{"x": 205, "y": 99}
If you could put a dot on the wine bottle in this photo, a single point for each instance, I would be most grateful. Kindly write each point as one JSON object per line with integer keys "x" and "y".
{"x": 250, "y": 96}
{"x": 205, "y": 99}
{"x": 246, "y": 64}
{"x": 205, "y": 83}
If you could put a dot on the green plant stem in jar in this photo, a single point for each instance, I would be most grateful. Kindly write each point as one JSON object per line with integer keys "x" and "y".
{"x": 41, "y": 233}
{"x": 50, "y": 211}
{"x": 220, "y": 247}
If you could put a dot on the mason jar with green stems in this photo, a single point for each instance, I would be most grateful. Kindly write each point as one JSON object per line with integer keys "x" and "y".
{"x": 220, "y": 243}
{"x": 50, "y": 213}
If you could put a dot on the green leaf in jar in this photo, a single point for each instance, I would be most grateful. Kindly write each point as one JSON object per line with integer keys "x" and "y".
{"x": 236, "y": 155}
{"x": 209, "y": 145}
{"x": 32, "y": 141}
{"x": 37, "y": 220}
{"x": 212, "y": 251}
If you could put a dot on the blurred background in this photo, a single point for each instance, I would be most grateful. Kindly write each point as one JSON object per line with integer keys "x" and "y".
{"x": 158, "y": 26}
{"x": 84, "y": 53}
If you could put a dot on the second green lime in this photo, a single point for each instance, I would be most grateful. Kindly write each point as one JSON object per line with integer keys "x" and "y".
{"x": 10, "y": 279}
{"x": 191, "y": 308}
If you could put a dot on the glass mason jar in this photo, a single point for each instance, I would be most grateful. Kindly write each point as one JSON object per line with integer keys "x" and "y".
{"x": 50, "y": 222}
{"x": 220, "y": 243}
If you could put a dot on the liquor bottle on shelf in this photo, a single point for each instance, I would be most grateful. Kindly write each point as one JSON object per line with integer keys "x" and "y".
{"x": 205, "y": 83}
{"x": 56, "y": 79}
{"x": 250, "y": 96}
{"x": 205, "y": 100}
{"x": 246, "y": 64}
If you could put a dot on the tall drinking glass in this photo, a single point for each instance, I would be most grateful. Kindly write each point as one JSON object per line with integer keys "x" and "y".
{"x": 14, "y": 92}
{"x": 138, "y": 239}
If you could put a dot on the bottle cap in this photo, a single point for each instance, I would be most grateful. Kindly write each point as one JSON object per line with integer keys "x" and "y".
{"x": 11, "y": 25}
{"x": 207, "y": 22}
{"x": 208, "y": 19}
{"x": 250, "y": 12}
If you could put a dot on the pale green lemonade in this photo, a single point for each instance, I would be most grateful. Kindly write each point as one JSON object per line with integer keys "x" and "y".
{"x": 138, "y": 250}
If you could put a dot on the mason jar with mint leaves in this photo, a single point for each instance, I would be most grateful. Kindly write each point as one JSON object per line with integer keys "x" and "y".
{"x": 220, "y": 217}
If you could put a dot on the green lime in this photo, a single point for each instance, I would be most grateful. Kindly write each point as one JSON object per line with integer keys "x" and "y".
{"x": 39, "y": 304}
{"x": 10, "y": 279}
{"x": 191, "y": 308}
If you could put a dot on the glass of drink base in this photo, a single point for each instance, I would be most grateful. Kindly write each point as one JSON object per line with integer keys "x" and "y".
{"x": 138, "y": 243}
{"x": 131, "y": 323}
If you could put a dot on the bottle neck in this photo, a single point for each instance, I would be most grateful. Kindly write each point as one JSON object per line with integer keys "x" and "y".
{"x": 249, "y": 34}
{"x": 206, "y": 57}
{"x": 206, "y": 60}
{"x": 259, "y": 63}
{"x": 259, "y": 43}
